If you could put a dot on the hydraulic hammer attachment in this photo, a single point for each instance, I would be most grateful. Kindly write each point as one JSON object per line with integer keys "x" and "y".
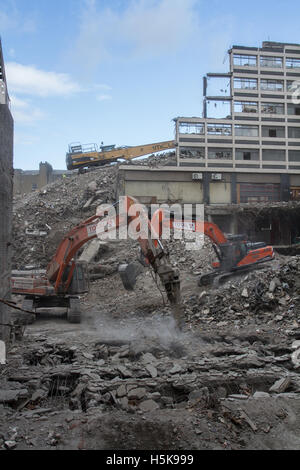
{"x": 170, "y": 281}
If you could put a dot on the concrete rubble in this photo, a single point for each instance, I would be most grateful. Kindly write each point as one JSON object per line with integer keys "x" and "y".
{"x": 268, "y": 296}
{"x": 139, "y": 377}
{"x": 55, "y": 210}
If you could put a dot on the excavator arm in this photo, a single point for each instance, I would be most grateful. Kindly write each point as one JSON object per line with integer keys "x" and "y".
{"x": 234, "y": 253}
{"x": 60, "y": 270}
{"x": 154, "y": 254}
{"x": 160, "y": 220}
{"x": 68, "y": 248}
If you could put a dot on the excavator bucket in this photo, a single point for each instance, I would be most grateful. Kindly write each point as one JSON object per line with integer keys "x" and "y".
{"x": 129, "y": 274}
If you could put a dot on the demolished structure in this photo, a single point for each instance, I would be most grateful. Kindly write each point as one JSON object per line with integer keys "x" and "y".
{"x": 125, "y": 378}
{"x": 244, "y": 150}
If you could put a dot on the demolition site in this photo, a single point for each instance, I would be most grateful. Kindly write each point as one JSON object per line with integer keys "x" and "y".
{"x": 145, "y": 344}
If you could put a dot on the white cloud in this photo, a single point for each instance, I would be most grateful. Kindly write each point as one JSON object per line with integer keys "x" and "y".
{"x": 24, "y": 112}
{"x": 158, "y": 27}
{"x": 25, "y": 139}
{"x": 30, "y": 80}
{"x": 17, "y": 102}
{"x": 145, "y": 28}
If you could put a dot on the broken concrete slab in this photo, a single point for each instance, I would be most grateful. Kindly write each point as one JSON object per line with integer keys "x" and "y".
{"x": 10, "y": 396}
{"x": 88, "y": 203}
{"x": 148, "y": 406}
{"x": 236, "y": 396}
{"x": 124, "y": 403}
{"x": 296, "y": 344}
{"x": 121, "y": 391}
{"x": 273, "y": 284}
{"x": 152, "y": 370}
{"x": 245, "y": 293}
{"x": 261, "y": 395}
{"x": 176, "y": 369}
{"x": 296, "y": 358}
{"x": 280, "y": 385}
{"x": 136, "y": 393}
{"x": 148, "y": 358}
{"x": 38, "y": 395}
{"x": 126, "y": 373}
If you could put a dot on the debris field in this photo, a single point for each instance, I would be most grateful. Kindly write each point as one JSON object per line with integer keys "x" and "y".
{"x": 126, "y": 378}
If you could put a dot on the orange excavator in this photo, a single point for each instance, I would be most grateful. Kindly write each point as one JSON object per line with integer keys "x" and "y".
{"x": 65, "y": 278}
{"x": 234, "y": 252}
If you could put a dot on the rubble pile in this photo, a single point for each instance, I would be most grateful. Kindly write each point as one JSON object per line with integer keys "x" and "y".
{"x": 42, "y": 218}
{"x": 233, "y": 370}
{"x": 154, "y": 160}
{"x": 264, "y": 296}
{"x": 196, "y": 261}
{"x": 142, "y": 374}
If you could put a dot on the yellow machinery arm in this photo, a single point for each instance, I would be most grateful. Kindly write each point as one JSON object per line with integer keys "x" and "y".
{"x": 77, "y": 157}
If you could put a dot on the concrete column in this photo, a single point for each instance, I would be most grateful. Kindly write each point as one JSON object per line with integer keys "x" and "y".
{"x": 233, "y": 189}
{"x": 206, "y": 180}
{"x": 284, "y": 187}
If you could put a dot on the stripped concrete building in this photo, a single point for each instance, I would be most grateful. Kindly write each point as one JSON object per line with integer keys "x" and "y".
{"x": 6, "y": 192}
{"x": 244, "y": 150}
{"x": 26, "y": 181}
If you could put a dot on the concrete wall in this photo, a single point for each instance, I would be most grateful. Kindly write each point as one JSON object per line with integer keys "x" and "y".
{"x": 168, "y": 185}
{"x": 6, "y": 190}
{"x": 220, "y": 193}
{"x": 24, "y": 184}
{"x": 167, "y": 191}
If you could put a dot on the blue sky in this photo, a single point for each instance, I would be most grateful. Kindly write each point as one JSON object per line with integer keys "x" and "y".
{"x": 119, "y": 71}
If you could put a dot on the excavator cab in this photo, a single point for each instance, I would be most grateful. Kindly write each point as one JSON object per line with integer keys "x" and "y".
{"x": 80, "y": 280}
{"x": 234, "y": 256}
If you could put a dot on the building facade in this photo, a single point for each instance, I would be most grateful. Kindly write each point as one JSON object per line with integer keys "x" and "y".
{"x": 6, "y": 191}
{"x": 254, "y": 147}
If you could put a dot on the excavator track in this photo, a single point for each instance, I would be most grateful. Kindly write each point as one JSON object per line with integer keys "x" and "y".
{"x": 216, "y": 279}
